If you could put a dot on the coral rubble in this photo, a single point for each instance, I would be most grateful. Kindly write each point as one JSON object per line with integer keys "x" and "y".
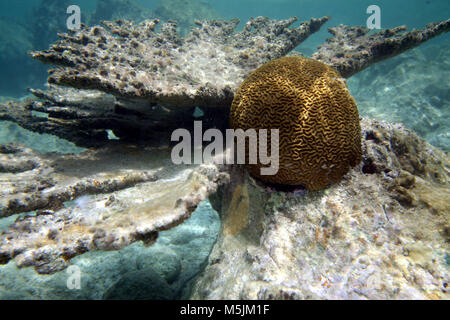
{"x": 123, "y": 194}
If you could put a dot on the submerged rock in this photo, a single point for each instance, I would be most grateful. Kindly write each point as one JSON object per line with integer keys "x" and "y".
{"x": 139, "y": 285}
{"x": 380, "y": 233}
{"x": 175, "y": 262}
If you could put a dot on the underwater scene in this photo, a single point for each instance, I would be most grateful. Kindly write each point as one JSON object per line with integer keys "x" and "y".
{"x": 224, "y": 150}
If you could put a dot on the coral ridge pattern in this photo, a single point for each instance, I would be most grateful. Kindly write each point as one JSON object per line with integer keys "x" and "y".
{"x": 318, "y": 121}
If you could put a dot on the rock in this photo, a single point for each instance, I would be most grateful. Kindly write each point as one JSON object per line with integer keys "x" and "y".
{"x": 176, "y": 264}
{"x": 165, "y": 261}
{"x": 145, "y": 284}
{"x": 355, "y": 240}
{"x": 419, "y": 253}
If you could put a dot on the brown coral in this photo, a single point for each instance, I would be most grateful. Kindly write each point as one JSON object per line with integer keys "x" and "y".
{"x": 320, "y": 135}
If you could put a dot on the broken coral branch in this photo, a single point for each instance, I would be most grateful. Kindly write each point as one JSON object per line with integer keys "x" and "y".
{"x": 85, "y": 116}
{"x": 70, "y": 122}
{"x": 202, "y": 69}
{"x": 122, "y": 194}
{"x": 352, "y": 49}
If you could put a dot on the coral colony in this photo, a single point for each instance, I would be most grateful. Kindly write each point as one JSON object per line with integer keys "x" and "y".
{"x": 320, "y": 136}
{"x": 384, "y": 190}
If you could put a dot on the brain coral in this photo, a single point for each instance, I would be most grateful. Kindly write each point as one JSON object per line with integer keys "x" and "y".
{"x": 320, "y": 135}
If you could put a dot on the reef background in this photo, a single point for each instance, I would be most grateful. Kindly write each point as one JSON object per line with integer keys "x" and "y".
{"x": 412, "y": 89}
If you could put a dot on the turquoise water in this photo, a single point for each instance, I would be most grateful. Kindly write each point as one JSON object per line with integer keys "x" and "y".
{"x": 392, "y": 90}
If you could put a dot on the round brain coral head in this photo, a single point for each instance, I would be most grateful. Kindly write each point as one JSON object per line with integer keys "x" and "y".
{"x": 317, "y": 118}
